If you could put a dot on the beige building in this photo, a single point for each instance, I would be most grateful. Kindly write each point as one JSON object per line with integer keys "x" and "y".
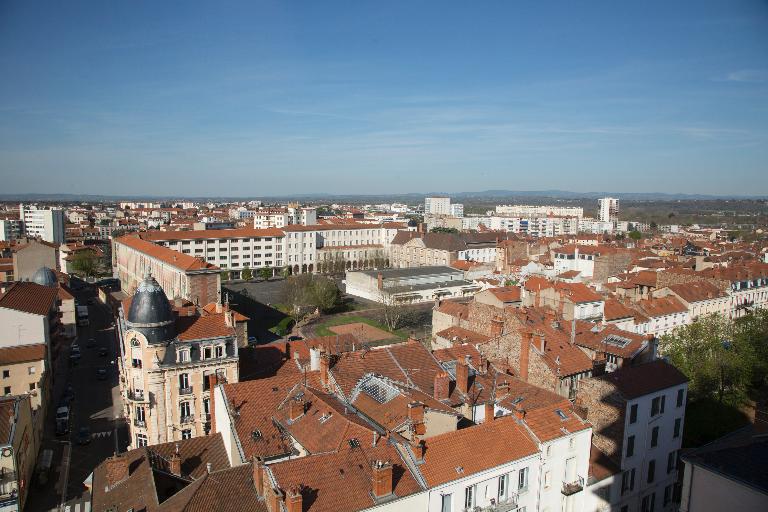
{"x": 23, "y": 372}
{"x": 19, "y": 443}
{"x": 29, "y": 255}
{"x": 168, "y": 359}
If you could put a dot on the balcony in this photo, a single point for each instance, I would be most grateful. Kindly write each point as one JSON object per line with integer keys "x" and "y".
{"x": 137, "y": 395}
{"x": 140, "y": 423}
{"x": 570, "y": 488}
{"x": 185, "y": 391}
{"x": 187, "y": 419}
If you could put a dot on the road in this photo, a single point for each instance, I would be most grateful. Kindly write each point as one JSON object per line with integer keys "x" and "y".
{"x": 96, "y": 405}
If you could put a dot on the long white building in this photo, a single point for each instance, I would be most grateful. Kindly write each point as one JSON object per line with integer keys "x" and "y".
{"x": 526, "y": 210}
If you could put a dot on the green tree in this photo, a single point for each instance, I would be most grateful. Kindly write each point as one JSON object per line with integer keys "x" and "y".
{"x": 635, "y": 235}
{"x": 304, "y": 293}
{"x": 444, "y": 230}
{"x": 265, "y": 273}
{"x": 714, "y": 355}
{"x": 285, "y": 272}
{"x": 225, "y": 275}
{"x": 85, "y": 263}
{"x": 246, "y": 274}
{"x": 653, "y": 225}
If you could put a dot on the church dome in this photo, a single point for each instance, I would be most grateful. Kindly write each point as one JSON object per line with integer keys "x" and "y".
{"x": 45, "y": 277}
{"x": 150, "y": 312}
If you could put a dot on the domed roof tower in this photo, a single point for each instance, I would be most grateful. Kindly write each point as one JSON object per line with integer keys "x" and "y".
{"x": 150, "y": 312}
{"x": 45, "y": 277}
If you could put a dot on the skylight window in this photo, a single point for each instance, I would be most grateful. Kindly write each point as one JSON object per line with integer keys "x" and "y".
{"x": 354, "y": 443}
{"x": 617, "y": 341}
{"x": 561, "y": 414}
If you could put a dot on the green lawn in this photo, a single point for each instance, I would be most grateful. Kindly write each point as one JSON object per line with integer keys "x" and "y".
{"x": 707, "y": 420}
{"x": 283, "y": 327}
{"x": 322, "y": 329}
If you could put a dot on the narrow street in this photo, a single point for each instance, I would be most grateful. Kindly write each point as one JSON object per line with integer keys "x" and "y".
{"x": 96, "y": 405}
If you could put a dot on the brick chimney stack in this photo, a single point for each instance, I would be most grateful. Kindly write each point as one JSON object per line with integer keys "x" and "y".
{"x": 295, "y": 408}
{"x": 117, "y": 469}
{"x": 380, "y": 281}
{"x": 416, "y": 412}
{"x": 490, "y": 409}
{"x": 293, "y": 501}
{"x": 274, "y": 500}
{"x": 442, "y": 385}
{"x": 258, "y": 475}
{"x": 382, "y": 479}
{"x": 174, "y": 462}
{"x": 418, "y": 450}
{"x": 325, "y": 365}
{"x": 462, "y": 376}
{"x": 542, "y": 345}
{"x": 525, "y": 348}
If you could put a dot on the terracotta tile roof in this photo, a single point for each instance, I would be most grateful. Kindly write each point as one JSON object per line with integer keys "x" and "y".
{"x": 568, "y": 274}
{"x": 139, "y": 490}
{"x": 329, "y": 227}
{"x": 601, "y": 466}
{"x": 225, "y": 490}
{"x": 697, "y": 291}
{"x": 615, "y": 310}
{"x": 506, "y": 293}
{"x": 29, "y": 298}
{"x": 547, "y": 424}
{"x": 515, "y": 394}
{"x": 660, "y": 306}
{"x": 174, "y": 258}
{"x": 342, "y": 481}
{"x": 7, "y": 418}
{"x": 22, "y": 353}
{"x": 202, "y": 327}
{"x": 610, "y": 340}
{"x": 211, "y": 310}
{"x": 644, "y": 379}
{"x": 454, "y": 309}
{"x": 461, "y": 335}
{"x": 455, "y": 455}
{"x": 208, "y": 234}
{"x": 578, "y": 292}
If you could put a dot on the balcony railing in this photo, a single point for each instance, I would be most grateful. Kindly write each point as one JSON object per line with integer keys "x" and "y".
{"x": 185, "y": 391}
{"x": 570, "y": 488}
{"x": 187, "y": 419}
{"x": 140, "y": 423}
{"x": 501, "y": 505}
{"x": 137, "y": 395}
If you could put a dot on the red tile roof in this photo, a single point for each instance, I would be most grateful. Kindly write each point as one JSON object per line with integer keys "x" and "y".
{"x": 461, "y": 335}
{"x": 30, "y": 298}
{"x": 174, "y": 258}
{"x": 22, "y": 354}
{"x": 202, "y": 327}
{"x": 506, "y": 293}
{"x": 644, "y": 379}
{"x": 208, "y": 234}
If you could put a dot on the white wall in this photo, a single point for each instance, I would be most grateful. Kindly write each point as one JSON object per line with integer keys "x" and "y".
{"x": 19, "y": 328}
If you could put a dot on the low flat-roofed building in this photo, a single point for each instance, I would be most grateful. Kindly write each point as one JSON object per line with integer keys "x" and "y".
{"x": 409, "y": 285}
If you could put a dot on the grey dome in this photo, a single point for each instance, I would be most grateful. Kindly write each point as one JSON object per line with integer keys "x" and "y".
{"x": 412, "y": 223}
{"x": 150, "y": 312}
{"x": 45, "y": 277}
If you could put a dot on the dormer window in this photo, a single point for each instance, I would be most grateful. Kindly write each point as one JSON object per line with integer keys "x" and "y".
{"x": 207, "y": 352}
{"x": 183, "y": 356}
{"x": 220, "y": 351}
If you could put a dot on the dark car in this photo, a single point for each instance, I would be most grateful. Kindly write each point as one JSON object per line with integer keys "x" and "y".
{"x": 103, "y": 351}
{"x": 69, "y": 395}
{"x": 90, "y": 343}
{"x": 83, "y": 435}
{"x": 295, "y": 338}
{"x": 101, "y": 374}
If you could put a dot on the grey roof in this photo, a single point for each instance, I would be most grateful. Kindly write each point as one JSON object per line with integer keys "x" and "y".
{"x": 395, "y": 273}
{"x": 44, "y": 276}
{"x": 428, "y": 286}
{"x": 151, "y": 313}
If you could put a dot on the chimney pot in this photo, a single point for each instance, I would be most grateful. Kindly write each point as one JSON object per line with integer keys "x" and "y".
{"x": 490, "y": 410}
{"x": 294, "y": 501}
{"x": 382, "y": 479}
{"x": 174, "y": 463}
{"x": 442, "y": 385}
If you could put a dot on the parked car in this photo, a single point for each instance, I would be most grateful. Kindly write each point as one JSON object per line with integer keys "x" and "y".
{"x": 90, "y": 343}
{"x": 44, "y": 466}
{"x": 62, "y": 419}
{"x": 69, "y": 395}
{"x": 101, "y": 374}
{"x": 83, "y": 435}
{"x": 103, "y": 351}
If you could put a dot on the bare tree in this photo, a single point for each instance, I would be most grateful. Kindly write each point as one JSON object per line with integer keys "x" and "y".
{"x": 394, "y": 312}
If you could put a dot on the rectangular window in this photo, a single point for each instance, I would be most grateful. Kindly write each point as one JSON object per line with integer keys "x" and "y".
{"x": 667, "y": 495}
{"x": 6, "y": 374}
{"x": 522, "y": 480}
{"x": 671, "y": 462}
{"x": 31, "y": 370}
{"x": 663, "y": 402}
{"x": 648, "y": 503}
{"x": 447, "y": 500}
{"x": 186, "y": 433}
{"x": 655, "y": 406}
{"x": 141, "y": 440}
{"x": 651, "y": 470}
{"x": 633, "y": 414}
{"x": 503, "y": 481}
{"x": 7, "y": 390}
{"x": 655, "y": 437}
{"x": 185, "y": 411}
{"x": 207, "y": 352}
{"x": 469, "y": 497}
{"x": 219, "y": 351}
{"x": 678, "y": 423}
{"x": 31, "y": 386}
{"x": 630, "y": 446}
{"x": 547, "y": 479}
{"x": 680, "y": 397}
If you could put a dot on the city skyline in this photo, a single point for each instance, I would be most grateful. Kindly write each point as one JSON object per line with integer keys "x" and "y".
{"x": 286, "y": 99}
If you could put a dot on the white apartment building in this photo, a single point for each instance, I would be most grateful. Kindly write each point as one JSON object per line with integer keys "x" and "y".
{"x": 45, "y": 224}
{"x": 608, "y": 210}
{"x": 437, "y": 205}
{"x": 10, "y": 229}
{"x": 524, "y": 210}
{"x": 457, "y": 210}
{"x": 580, "y": 258}
{"x": 265, "y": 219}
{"x": 594, "y": 226}
{"x": 229, "y": 249}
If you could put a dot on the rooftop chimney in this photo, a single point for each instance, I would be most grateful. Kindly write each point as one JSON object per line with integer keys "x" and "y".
{"x": 525, "y": 348}
{"x": 418, "y": 450}
{"x": 490, "y": 409}
{"x": 174, "y": 462}
{"x": 542, "y": 345}
{"x": 258, "y": 475}
{"x": 382, "y": 479}
{"x": 117, "y": 469}
{"x": 416, "y": 412}
{"x": 325, "y": 365}
{"x": 295, "y": 408}
{"x": 462, "y": 376}
{"x": 293, "y": 502}
{"x": 441, "y": 385}
{"x": 274, "y": 499}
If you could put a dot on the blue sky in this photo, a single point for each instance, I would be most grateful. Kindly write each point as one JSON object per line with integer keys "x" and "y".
{"x": 262, "y": 98}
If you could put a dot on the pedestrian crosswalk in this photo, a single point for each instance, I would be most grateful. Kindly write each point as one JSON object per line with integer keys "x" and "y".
{"x": 106, "y": 433}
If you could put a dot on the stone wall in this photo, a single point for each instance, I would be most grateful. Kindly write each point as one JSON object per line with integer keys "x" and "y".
{"x": 605, "y": 409}
{"x": 607, "y": 265}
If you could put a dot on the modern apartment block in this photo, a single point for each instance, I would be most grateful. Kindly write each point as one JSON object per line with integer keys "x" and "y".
{"x": 525, "y": 210}
{"x": 437, "y": 205}
{"x": 47, "y": 224}
{"x": 608, "y": 210}
{"x": 168, "y": 359}
{"x": 10, "y": 229}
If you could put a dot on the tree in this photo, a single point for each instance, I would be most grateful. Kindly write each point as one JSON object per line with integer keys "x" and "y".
{"x": 394, "y": 312}
{"x": 85, "y": 263}
{"x": 635, "y": 235}
{"x": 246, "y": 274}
{"x": 265, "y": 273}
{"x": 285, "y": 272}
{"x": 444, "y": 230}
{"x": 714, "y": 355}
{"x": 306, "y": 292}
{"x": 324, "y": 293}
{"x": 653, "y": 225}
{"x": 225, "y": 275}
